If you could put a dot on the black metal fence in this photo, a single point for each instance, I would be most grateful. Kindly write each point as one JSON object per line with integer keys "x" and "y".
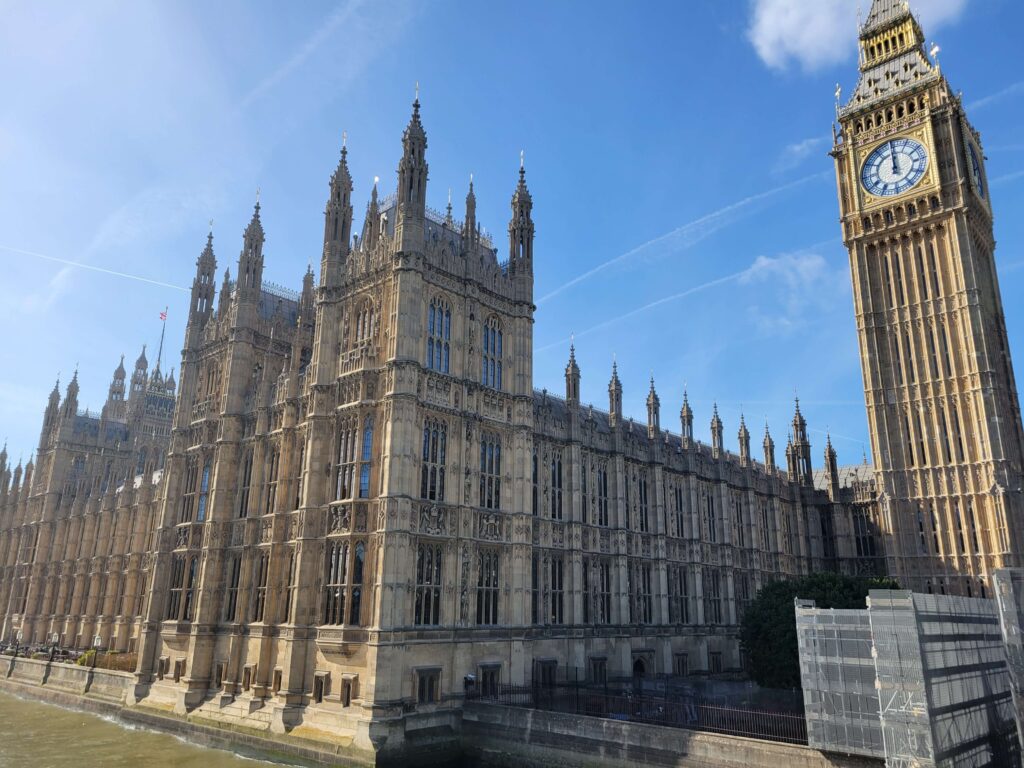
{"x": 677, "y": 712}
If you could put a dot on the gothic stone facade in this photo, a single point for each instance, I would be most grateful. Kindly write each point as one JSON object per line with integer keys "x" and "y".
{"x": 76, "y": 524}
{"x": 366, "y": 506}
{"x": 365, "y": 501}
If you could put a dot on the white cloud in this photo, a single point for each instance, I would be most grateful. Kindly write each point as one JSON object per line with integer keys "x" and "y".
{"x": 794, "y": 154}
{"x": 796, "y": 288}
{"x": 819, "y": 33}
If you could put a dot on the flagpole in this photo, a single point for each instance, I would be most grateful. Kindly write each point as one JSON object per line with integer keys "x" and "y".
{"x": 163, "y": 330}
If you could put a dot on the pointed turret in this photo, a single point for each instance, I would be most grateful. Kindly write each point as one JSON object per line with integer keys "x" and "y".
{"x": 372, "y": 223}
{"x": 653, "y": 412}
{"x": 170, "y": 383}
{"x": 572, "y": 377}
{"x": 337, "y": 220}
{"x": 832, "y": 468}
{"x": 71, "y": 397}
{"x": 614, "y": 397}
{"x": 769, "y": 450}
{"x": 225, "y": 294}
{"x": 50, "y": 414}
{"x": 802, "y": 447}
{"x": 791, "y": 460}
{"x": 113, "y": 409}
{"x": 686, "y": 419}
{"x": 717, "y": 436}
{"x": 744, "y": 440}
{"x": 250, "y": 260}
{"x": 412, "y": 168}
{"x": 469, "y": 230}
{"x": 203, "y": 286}
{"x": 520, "y": 228}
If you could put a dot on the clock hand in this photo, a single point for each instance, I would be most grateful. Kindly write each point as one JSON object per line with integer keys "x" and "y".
{"x": 892, "y": 154}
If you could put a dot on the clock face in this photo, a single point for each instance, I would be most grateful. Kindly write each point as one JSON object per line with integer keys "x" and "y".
{"x": 979, "y": 182}
{"x": 894, "y": 167}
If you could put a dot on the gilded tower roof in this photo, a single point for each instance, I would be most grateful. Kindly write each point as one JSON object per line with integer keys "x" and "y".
{"x": 892, "y": 56}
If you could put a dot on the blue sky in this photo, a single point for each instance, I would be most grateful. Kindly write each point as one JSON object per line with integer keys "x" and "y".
{"x": 684, "y": 201}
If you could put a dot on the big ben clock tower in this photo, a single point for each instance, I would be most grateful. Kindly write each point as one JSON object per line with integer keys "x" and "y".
{"x": 941, "y": 399}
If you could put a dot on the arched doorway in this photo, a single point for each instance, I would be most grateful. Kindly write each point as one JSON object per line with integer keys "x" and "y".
{"x": 639, "y": 669}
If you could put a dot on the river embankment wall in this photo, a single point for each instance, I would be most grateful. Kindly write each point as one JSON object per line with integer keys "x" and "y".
{"x": 490, "y": 734}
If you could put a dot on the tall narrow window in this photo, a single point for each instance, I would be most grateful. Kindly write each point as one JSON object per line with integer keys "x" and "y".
{"x": 490, "y": 472}
{"x": 188, "y": 497}
{"x": 602, "y": 495}
{"x": 584, "y": 497}
{"x": 177, "y": 584}
{"x": 243, "y": 502}
{"x": 355, "y": 616}
{"x": 190, "y": 589}
{"x": 603, "y": 610}
{"x": 557, "y": 590}
{"x": 298, "y": 470}
{"x": 766, "y": 530}
{"x": 711, "y": 519}
{"x": 289, "y": 590}
{"x": 204, "y": 493}
{"x": 491, "y": 359}
{"x": 536, "y": 481}
{"x": 439, "y": 334}
{"x": 679, "y": 595}
{"x": 427, "y": 609}
{"x": 435, "y": 447}
{"x": 487, "y": 588}
{"x": 680, "y": 518}
{"x": 556, "y": 486}
{"x": 234, "y": 575}
{"x": 346, "y": 466}
{"x": 535, "y": 591}
{"x": 364, "y": 460}
{"x": 712, "y": 596}
{"x": 260, "y": 584}
{"x": 642, "y": 499}
{"x": 645, "y": 600}
{"x": 273, "y": 466}
{"x": 336, "y": 571}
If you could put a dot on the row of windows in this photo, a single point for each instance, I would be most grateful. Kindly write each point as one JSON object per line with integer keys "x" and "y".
{"x": 438, "y": 346}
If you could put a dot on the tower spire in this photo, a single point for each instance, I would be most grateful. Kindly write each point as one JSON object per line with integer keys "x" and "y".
{"x": 520, "y": 227}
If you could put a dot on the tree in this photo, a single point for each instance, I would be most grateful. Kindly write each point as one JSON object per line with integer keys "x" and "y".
{"x": 768, "y": 630}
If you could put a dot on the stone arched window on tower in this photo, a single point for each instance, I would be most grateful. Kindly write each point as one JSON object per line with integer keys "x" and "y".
{"x": 365, "y": 458}
{"x": 365, "y": 323}
{"x": 435, "y": 449}
{"x": 345, "y": 469}
{"x": 439, "y": 334}
{"x": 492, "y": 354}
{"x": 191, "y": 482}
{"x": 490, "y": 471}
{"x": 556, "y": 485}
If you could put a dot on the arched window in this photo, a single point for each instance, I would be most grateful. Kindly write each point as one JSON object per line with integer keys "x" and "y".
{"x": 439, "y": 334}
{"x": 336, "y": 571}
{"x": 435, "y": 449}
{"x": 204, "y": 493}
{"x": 364, "y": 459}
{"x": 346, "y": 446}
{"x": 556, "y": 486}
{"x": 490, "y": 359}
{"x": 366, "y": 323}
{"x": 490, "y": 472}
{"x": 357, "y": 584}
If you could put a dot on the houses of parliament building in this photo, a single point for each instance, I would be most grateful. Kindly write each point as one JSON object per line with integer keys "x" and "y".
{"x": 353, "y": 504}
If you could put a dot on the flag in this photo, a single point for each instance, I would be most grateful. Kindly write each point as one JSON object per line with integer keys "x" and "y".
{"x": 163, "y": 315}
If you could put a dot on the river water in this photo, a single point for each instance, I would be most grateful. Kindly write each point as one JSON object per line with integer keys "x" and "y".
{"x": 37, "y": 735}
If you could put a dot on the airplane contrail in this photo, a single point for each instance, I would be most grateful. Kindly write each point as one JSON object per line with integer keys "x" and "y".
{"x": 689, "y": 234}
{"x": 92, "y": 267}
{"x": 652, "y": 305}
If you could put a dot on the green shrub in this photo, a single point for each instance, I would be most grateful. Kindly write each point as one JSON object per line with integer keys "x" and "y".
{"x": 768, "y": 630}
{"x": 86, "y": 659}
